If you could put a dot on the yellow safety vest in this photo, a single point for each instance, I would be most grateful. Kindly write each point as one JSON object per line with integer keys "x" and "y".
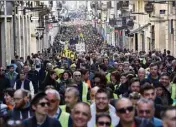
{"x": 64, "y": 119}
{"x": 84, "y": 92}
{"x": 108, "y": 77}
{"x": 115, "y": 96}
{"x": 63, "y": 108}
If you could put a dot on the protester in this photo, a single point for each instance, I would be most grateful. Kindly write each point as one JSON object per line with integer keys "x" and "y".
{"x": 71, "y": 98}
{"x": 146, "y": 109}
{"x": 5, "y": 83}
{"x": 169, "y": 117}
{"x": 22, "y": 109}
{"x": 102, "y": 105}
{"x": 126, "y": 112}
{"x": 103, "y": 120}
{"x": 11, "y": 75}
{"x": 54, "y": 110}
{"x": 81, "y": 114}
{"x": 40, "y": 105}
{"x": 8, "y": 97}
{"x": 24, "y": 83}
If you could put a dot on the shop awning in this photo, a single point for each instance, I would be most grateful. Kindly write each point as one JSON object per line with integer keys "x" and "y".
{"x": 140, "y": 28}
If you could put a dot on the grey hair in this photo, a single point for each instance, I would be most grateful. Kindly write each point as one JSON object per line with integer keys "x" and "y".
{"x": 142, "y": 69}
{"x": 74, "y": 90}
{"x": 146, "y": 101}
{"x": 53, "y": 91}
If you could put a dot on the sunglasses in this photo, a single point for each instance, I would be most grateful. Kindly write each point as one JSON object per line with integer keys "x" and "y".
{"x": 124, "y": 110}
{"x": 144, "y": 111}
{"x": 96, "y": 82}
{"x": 101, "y": 123}
{"x": 44, "y": 103}
{"x": 52, "y": 101}
{"x": 77, "y": 75}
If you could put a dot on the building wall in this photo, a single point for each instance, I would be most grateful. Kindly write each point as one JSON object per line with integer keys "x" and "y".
{"x": 25, "y": 40}
{"x": 163, "y": 38}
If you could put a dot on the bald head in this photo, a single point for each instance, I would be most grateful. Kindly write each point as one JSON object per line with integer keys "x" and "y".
{"x": 20, "y": 93}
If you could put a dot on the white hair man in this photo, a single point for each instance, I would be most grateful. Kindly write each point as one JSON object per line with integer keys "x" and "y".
{"x": 54, "y": 110}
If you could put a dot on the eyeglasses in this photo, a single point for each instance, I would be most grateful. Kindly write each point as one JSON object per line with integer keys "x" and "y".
{"x": 43, "y": 104}
{"x": 2, "y": 70}
{"x": 101, "y": 123}
{"x": 123, "y": 110}
{"x": 144, "y": 111}
{"x": 96, "y": 82}
{"x": 52, "y": 101}
{"x": 17, "y": 99}
{"x": 77, "y": 75}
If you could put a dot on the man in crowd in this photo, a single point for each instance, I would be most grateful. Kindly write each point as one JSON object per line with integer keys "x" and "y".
{"x": 11, "y": 75}
{"x": 165, "y": 80}
{"x": 5, "y": 83}
{"x": 22, "y": 109}
{"x": 153, "y": 77}
{"x": 134, "y": 87}
{"x": 81, "y": 114}
{"x": 103, "y": 120}
{"x": 71, "y": 98}
{"x": 146, "y": 109}
{"x": 24, "y": 83}
{"x": 147, "y": 91}
{"x": 169, "y": 117}
{"x": 54, "y": 110}
{"x": 82, "y": 86}
{"x": 33, "y": 75}
{"x": 40, "y": 106}
{"x": 126, "y": 112}
{"x": 102, "y": 105}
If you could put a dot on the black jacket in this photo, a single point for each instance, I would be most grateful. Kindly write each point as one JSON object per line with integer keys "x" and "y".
{"x": 140, "y": 123}
{"x": 34, "y": 77}
{"x": 20, "y": 114}
{"x": 4, "y": 84}
{"x": 49, "y": 122}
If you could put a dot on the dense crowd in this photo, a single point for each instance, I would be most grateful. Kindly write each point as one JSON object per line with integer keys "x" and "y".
{"x": 103, "y": 87}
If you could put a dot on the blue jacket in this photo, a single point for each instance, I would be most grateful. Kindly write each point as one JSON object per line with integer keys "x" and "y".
{"x": 157, "y": 122}
{"x": 13, "y": 78}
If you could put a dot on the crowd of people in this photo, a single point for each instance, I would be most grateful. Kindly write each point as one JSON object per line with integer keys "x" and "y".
{"x": 103, "y": 87}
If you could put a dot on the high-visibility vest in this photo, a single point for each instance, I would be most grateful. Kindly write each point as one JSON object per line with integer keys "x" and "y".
{"x": 173, "y": 90}
{"x": 84, "y": 92}
{"x": 108, "y": 77}
{"x": 63, "y": 108}
{"x": 115, "y": 96}
{"x": 64, "y": 119}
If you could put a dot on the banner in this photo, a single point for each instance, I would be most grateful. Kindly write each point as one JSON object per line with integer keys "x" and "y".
{"x": 69, "y": 54}
{"x": 80, "y": 47}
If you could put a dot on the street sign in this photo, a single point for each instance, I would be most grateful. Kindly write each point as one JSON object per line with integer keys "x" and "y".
{"x": 34, "y": 18}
